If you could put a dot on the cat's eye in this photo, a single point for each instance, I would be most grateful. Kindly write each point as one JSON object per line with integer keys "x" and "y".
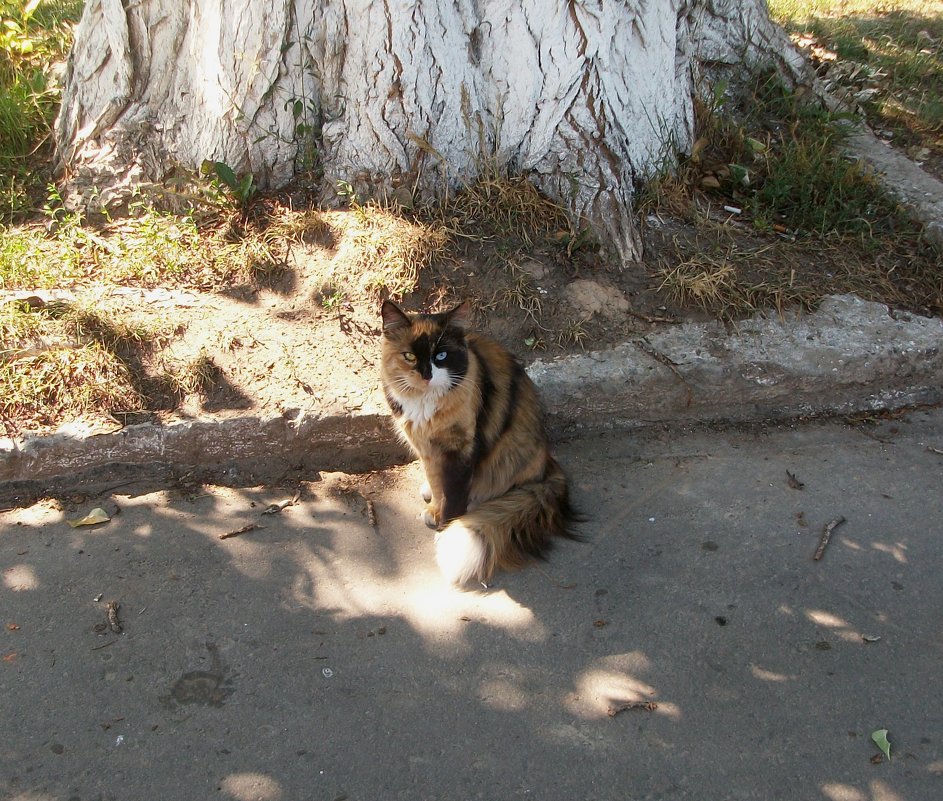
{"x": 441, "y": 356}
{"x": 410, "y": 357}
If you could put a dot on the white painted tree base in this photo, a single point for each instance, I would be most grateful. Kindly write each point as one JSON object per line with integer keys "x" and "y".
{"x": 585, "y": 97}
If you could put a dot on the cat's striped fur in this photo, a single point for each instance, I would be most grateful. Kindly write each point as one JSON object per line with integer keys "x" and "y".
{"x": 471, "y": 414}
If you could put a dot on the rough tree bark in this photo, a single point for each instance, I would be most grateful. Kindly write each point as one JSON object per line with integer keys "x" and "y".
{"x": 585, "y": 97}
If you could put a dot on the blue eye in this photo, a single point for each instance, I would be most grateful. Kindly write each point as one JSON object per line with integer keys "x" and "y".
{"x": 441, "y": 356}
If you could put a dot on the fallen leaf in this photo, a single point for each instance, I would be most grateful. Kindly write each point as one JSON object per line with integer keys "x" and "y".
{"x": 881, "y": 741}
{"x": 12, "y": 627}
{"x": 793, "y": 482}
{"x": 697, "y": 147}
{"x": 870, "y": 637}
{"x": 756, "y": 145}
{"x": 96, "y": 516}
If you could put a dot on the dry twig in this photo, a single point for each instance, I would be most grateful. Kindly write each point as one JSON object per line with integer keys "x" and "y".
{"x": 648, "y": 706}
{"x": 645, "y": 346}
{"x": 826, "y": 533}
{"x": 793, "y": 482}
{"x": 238, "y": 531}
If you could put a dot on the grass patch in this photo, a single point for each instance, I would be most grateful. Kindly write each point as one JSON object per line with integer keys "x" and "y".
{"x": 58, "y": 360}
{"x": 61, "y": 360}
{"x": 887, "y": 57}
{"x": 44, "y": 389}
{"x": 34, "y": 39}
{"x": 172, "y": 381}
{"x": 152, "y": 249}
{"x": 33, "y": 324}
{"x": 777, "y": 159}
{"x": 802, "y": 178}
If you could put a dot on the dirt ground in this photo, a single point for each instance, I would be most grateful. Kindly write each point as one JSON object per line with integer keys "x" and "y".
{"x": 307, "y": 337}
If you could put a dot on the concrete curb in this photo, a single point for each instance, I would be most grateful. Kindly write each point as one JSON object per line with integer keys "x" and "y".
{"x": 907, "y": 182}
{"x": 239, "y": 446}
{"x": 850, "y": 355}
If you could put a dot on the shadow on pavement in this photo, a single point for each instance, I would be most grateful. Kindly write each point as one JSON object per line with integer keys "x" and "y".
{"x": 318, "y": 656}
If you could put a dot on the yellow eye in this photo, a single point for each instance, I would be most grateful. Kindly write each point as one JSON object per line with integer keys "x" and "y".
{"x": 410, "y": 357}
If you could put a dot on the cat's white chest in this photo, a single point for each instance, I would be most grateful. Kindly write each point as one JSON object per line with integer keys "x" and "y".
{"x": 420, "y": 410}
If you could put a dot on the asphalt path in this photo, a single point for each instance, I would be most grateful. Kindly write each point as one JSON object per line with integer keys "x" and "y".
{"x": 691, "y": 647}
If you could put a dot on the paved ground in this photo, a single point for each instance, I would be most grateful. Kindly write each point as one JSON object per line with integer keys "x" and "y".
{"x": 320, "y": 658}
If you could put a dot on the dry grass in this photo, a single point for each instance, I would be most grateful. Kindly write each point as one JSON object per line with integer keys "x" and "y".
{"x": 381, "y": 252}
{"x": 573, "y": 333}
{"x": 717, "y": 287}
{"x": 43, "y": 389}
{"x": 60, "y": 360}
{"x": 728, "y": 273}
{"x": 521, "y": 293}
{"x": 505, "y": 207}
{"x": 711, "y": 286}
{"x": 172, "y": 381}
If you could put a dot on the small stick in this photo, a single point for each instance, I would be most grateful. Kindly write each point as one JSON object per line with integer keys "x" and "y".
{"x": 238, "y": 531}
{"x": 113, "y": 623}
{"x": 648, "y": 706}
{"x": 934, "y": 450}
{"x": 99, "y": 647}
{"x": 820, "y": 551}
{"x": 372, "y": 514}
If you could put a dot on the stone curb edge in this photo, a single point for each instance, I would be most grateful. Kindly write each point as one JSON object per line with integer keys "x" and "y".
{"x": 848, "y": 356}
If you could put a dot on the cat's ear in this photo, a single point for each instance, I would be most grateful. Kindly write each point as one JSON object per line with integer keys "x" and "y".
{"x": 394, "y": 318}
{"x": 460, "y": 316}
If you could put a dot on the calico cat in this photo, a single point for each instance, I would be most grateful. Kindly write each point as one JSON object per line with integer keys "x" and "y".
{"x": 471, "y": 414}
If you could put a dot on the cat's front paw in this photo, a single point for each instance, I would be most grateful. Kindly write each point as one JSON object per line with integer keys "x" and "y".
{"x": 431, "y": 518}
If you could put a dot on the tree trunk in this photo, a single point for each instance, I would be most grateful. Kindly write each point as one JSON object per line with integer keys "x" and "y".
{"x": 585, "y": 97}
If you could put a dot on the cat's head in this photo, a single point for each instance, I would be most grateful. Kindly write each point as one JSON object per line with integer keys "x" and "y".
{"x": 424, "y": 352}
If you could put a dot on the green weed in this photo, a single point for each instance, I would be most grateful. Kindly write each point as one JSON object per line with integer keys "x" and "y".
{"x": 34, "y": 37}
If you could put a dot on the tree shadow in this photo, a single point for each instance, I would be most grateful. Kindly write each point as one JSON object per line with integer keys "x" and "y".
{"x": 323, "y": 655}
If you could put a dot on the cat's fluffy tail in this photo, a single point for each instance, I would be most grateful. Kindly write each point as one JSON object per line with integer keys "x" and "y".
{"x": 508, "y": 531}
